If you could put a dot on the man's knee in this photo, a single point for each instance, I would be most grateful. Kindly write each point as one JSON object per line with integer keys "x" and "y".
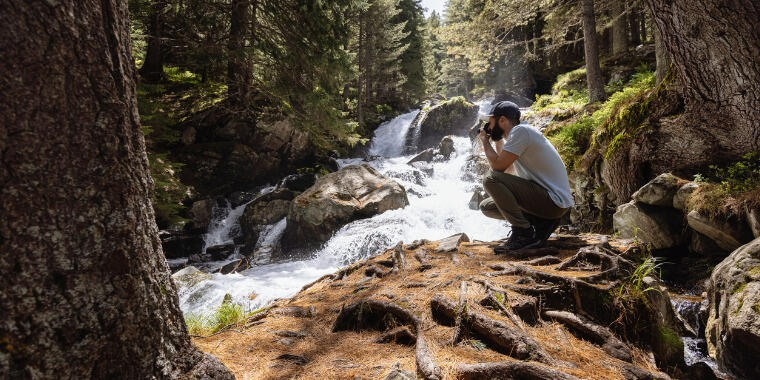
{"x": 489, "y": 180}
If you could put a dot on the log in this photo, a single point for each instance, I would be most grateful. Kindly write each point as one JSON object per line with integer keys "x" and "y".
{"x": 510, "y": 370}
{"x": 461, "y": 308}
{"x": 496, "y": 334}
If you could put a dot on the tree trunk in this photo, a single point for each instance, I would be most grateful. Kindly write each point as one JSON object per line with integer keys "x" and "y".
{"x": 662, "y": 56}
{"x": 85, "y": 290}
{"x": 593, "y": 71}
{"x": 619, "y": 28}
{"x": 152, "y": 69}
{"x": 634, "y": 24}
{"x": 715, "y": 49}
{"x": 238, "y": 64}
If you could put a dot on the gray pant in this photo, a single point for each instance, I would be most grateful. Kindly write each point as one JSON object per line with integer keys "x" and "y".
{"x": 511, "y": 197}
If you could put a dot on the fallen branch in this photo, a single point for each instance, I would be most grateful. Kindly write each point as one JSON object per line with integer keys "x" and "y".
{"x": 461, "y": 309}
{"x": 426, "y": 365}
{"x": 592, "y": 332}
{"x": 544, "y": 260}
{"x": 510, "y": 370}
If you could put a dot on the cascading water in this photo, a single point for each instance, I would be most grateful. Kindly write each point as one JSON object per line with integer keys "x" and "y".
{"x": 695, "y": 348}
{"x": 438, "y": 207}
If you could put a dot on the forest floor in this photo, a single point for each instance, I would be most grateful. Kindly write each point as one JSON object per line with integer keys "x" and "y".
{"x": 333, "y": 327}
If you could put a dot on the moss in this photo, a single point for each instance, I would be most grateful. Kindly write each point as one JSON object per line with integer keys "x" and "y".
{"x": 669, "y": 339}
{"x": 755, "y": 271}
{"x": 739, "y": 288}
{"x": 756, "y": 308}
{"x": 728, "y": 189}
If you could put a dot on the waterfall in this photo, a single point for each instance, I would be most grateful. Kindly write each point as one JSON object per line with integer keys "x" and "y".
{"x": 438, "y": 207}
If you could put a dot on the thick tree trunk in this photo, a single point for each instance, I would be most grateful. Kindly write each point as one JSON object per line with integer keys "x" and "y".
{"x": 85, "y": 290}
{"x": 619, "y": 28}
{"x": 152, "y": 69}
{"x": 715, "y": 49}
{"x": 238, "y": 65}
{"x": 662, "y": 57}
{"x": 593, "y": 71}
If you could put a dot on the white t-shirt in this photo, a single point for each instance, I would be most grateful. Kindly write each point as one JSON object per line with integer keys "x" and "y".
{"x": 539, "y": 161}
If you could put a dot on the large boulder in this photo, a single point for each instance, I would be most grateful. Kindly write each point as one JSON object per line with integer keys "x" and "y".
{"x": 201, "y": 213}
{"x": 657, "y": 227}
{"x": 262, "y": 212}
{"x": 354, "y": 192}
{"x": 453, "y": 117}
{"x": 178, "y": 244}
{"x": 659, "y": 191}
{"x": 726, "y": 235}
{"x": 446, "y": 147}
{"x": 683, "y": 194}
{"x": 733, "y": 324}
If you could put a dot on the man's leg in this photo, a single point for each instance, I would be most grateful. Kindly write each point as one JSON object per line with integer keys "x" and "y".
{"x": 489, "y": 209}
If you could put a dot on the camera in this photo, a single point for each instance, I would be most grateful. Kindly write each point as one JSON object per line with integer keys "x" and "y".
{"x": 495, "y": 133}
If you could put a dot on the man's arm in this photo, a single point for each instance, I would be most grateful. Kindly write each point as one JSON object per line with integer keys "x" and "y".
{"x": 500, "y": 161}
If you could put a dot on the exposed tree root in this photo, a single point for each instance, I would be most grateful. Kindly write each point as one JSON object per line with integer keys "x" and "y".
{"x": 632, "y": 372}
{"x": 531, "y": 252}
{"x": 400, "y": 335}
{"x": 510, "y": 370}
{"x": 376, "y": 271}
{"x": 592, "y": 332}
{"x": 374, "y": 315}
{"x": 426, "y": 365}
{"x": 422, "y": 257}
{"x": 459, "y": 331}
{"x": 493, "y": 301}
{"x": 598, "y": 257}
{"x": 496, "y": 334}
{"x": 399, "y": 260}
{"x": 544, "y": 260}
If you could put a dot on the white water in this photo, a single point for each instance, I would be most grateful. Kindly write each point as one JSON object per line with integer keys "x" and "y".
{"x": 438, "y": 207}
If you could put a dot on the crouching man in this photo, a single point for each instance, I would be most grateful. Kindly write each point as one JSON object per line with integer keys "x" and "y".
{"x": 538, "y": 194}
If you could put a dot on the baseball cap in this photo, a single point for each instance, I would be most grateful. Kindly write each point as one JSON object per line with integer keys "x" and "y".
{"x": 503, "y": 108}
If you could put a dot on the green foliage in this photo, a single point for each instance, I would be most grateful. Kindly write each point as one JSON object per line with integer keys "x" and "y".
{"x": 632, "y": 289}
{"x": 168, "y": 190}
{"x": 228, "y": 315}
{"x": 727, "y": 189}
{"x": 571, "y": 81}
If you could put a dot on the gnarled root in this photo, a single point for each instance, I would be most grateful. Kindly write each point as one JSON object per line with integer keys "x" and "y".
{"x": 498, "y": 335}
{"x": 374, "y": 315}
{"x": 422, "y": 257}
{"x": 510, "y": 370}
{"x": 400, "y": 335}
{"x": 598, "y": 257}
{"x": 426, "y": 365}
{"x": 592, "y": 332}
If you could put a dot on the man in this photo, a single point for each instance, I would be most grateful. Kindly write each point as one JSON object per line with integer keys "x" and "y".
{"x": 538, "y": 194}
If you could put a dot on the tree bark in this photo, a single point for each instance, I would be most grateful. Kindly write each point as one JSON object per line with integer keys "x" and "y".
{"x": 238, "y": 64}
{"x": 715, "y": 49}
{"x": 634, "y": 25}
{"x": 85, "y": 290}
{"x": 593, "y": 71}
{"x": 152, "y": 69}
{"x": 619, "y": 28}
{"x": 662, "y": 57}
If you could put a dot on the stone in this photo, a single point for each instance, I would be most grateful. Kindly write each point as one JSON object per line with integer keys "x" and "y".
{"x": 733, "y": 322}
{"x": 424, "y": 167}
{"x": 201, "y": 213}
{"x": 352, "y": 193}
{"x": 446, "y": 147}
{"x": 511, "y": 96}
{"x": 451, "y": 243}
{"x": 189, "y": 276}
{"x": 234, "y": 266}
{"x": 659, "y": 191}
{"x": 424, "y": 156}
{"x": 657, "y": 227}
{"x": 704, "y": 246}
{"x": 178, "y": 244}
{"x": 452, "y": 117}
{"x": 238, "y": 198}
{"x": 475, "y": 167}
{"x": 683, "y": 194}
{"x": 298, "y": 182}
{"x": 753, "y": 219}
{"x": 727, "y": 236}
{"x": 220, "y": 252}
{"x": 477, "y": 197}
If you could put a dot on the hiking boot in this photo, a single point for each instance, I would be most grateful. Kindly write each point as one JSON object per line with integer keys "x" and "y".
{"x": 519, "y": 239}
{"x": 545, "y": 227}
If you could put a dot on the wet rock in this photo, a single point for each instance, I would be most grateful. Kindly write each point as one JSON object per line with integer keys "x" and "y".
{"x": 453, "y": 117}
{"x": 235, "y": 266}
{"x": 298, "y": 182}
{"x": 683, "y": 194}
{"x": 180, "y": 244}
{"x": 451, "y": 243}
{"x": 424, "y": 156}
{"x": 727, "y": 236}
{"x": 666, "y": 328}
{"x": 477, "y": 197}
{"x": 659, "y": 191}
{"x": 201, "y": 213}
{"x": 733, "y": 325}
{"x": 354, "y": 192}
{"x": 424, "y": 167}
{"x": 416, "y": 244}
{"x": 220, "y": 252}
{"x": 265, "y": 210}
{"x": 704, "y": 246}
{"x": 446, "y": 147}
{"x": 189, "y": 276}
{"x": 475, "y": 168}
{"x": 659, "y": 227}
{"x": 238, "y": 198}
{"x": 414, "y": 176}
{"x": 753, "y": 219}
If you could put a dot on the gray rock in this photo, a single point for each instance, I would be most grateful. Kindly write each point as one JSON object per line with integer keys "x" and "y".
{"x": 189, "y": 276}
{"x": 704, "y": 246}
{"x": 659, "y": 191}
{"x": 733, "y": 323}
{"x": 221, "y": 251}
{"x": 201, "y": 213}
{"x": 727, "y": 236}
{"x": 397, "y": 373}
{"x": 424, "y": 167}
{"x": 475, "y": 168}
{"x": 180, "y": 244}
{"x": 298, "y": 182}
{"x": 446, "y": 147}
{"x": 753, "y": 219}
{"x": 658, "y": 227}
{"x": 453, "y": 117}
{"x": 234, "y": 266}
{"x": 477, "y": 197}
{"x": 354, "y": 192}
{"x": 683, "y": 194}
{"x": 451, "y": 243}
{"x": 424, "y": 156}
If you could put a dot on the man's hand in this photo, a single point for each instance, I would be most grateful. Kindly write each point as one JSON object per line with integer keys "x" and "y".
{"x": 483, "y": 135}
